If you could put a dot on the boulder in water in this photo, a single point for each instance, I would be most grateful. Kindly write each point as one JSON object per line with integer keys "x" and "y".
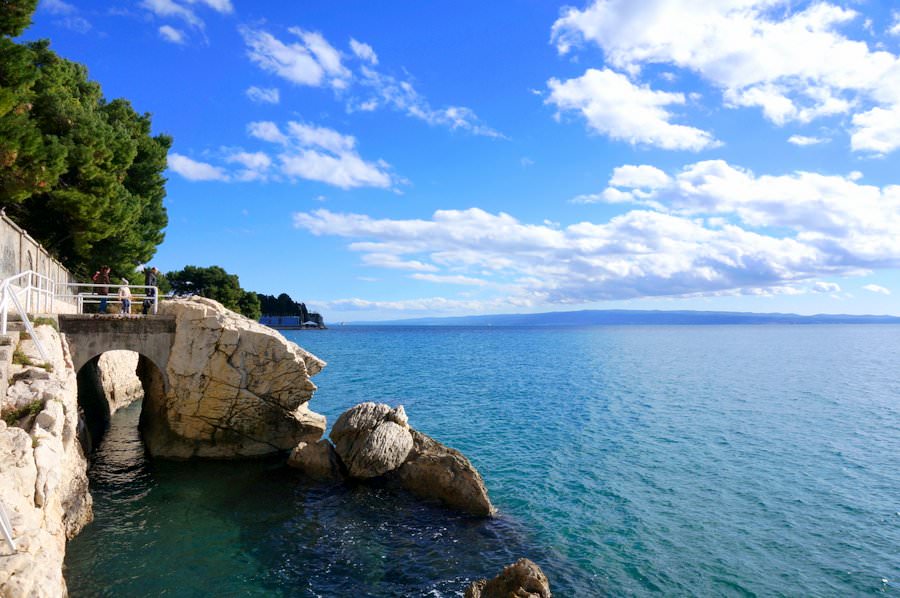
{"x": 433, "y": 470}
{"x": 522, "y": 579}
{"x": 372, "y": 439}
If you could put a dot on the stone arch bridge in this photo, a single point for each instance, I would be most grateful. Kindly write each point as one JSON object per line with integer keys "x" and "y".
{"x": 90, "y": 336}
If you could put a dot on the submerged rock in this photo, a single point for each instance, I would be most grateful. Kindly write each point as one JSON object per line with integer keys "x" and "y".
{"x": 433, "y": 470}
{"x": 372, "y": 439}
{"x": 317, "y": 460}
{"x": 235, "y": 388}
{"x": 522, "y": 579}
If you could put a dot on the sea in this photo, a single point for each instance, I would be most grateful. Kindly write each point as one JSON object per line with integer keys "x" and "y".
{"x": 757, "y": 460}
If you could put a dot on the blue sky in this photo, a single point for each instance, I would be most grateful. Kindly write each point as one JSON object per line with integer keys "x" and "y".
{"x": 398, "y": 159}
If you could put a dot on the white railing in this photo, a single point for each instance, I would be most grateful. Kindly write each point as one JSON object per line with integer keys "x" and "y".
{"x": 38, "y": 291}
{"x": 6, "y": 528}
{"x": 140, "y": 293}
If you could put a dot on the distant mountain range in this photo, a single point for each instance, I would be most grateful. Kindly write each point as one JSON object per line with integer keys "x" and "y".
{"x": 622, "y": 317}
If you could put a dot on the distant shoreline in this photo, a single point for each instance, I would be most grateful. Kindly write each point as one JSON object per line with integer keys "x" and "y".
{"x": 636, "y": 318}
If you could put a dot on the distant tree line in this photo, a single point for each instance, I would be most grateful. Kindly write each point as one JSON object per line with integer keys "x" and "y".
{"x": 83, "y": 175}
{"x": 283, "y": 305}
{"x": 215, "y": 283}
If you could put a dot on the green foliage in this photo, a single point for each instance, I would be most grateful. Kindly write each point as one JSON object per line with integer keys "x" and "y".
{"x": 82, "y": 174}
{"x": 214, "y": 282}
{"x": 32, "y": 408}
{"x": 20, "y": 358}
{"x": 249, "y": 304}
{"x": 42, "y": 321}
{"x": 15, "y": 16}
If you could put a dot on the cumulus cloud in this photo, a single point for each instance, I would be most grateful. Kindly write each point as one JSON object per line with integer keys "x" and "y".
{"x": 613, "y": 105}
{"x": 193, "y": 170}
{"x": 261, "y": 95}
{"x": 854, "y": 225}
{"x": 310, "y": 60}
{"x": 304, "y": 151}
{"x": 712, "y": 229}
{"x": 877, "y": 288}
{"x": 791, "y": 60}
{"x": 170, "y": 34}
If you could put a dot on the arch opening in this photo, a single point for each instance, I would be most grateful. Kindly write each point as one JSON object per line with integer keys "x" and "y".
{"x": 106, "y": 385}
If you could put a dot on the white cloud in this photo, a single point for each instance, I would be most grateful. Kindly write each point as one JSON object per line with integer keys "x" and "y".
{"x": 264, "y": 95}
{"x": 256, "y": 165}
{"x": 452, "y": 279}
{"x": 713, "y": 229}
{"x": 895, "y": 27}
{"x": 169, "y": 8}
{"x": 826, "y": 287}
{"x": 363, "y": 51}
{"x": 321, "y": 154}
{"x": 877, "y": 288}
{"x": 402, "y": 96}
{"x": 321, "y": 137}
{"x": 222, "y": 6}
{"x": 642, "y": 177}
{"x": 312, "y": 61}
{"x": 57, "y": 7}
{"x": 267, "y": 131}
{"x": 195, "y": 171}
{"x": 877, "y": 130}
{"x": 170, "y": 34}
{"x": 638, "y": 254}
{"x": 614, "y": 106}
{"x": 790, "y": 59}
{"x": 346, "y": 170}
{"x": 803, "y": 140}
{"x": 68, "y": 15}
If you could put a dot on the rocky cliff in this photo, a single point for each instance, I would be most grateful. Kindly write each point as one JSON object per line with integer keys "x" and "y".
{"x": 233, "y": 388}
{"x": 43, "y": 470}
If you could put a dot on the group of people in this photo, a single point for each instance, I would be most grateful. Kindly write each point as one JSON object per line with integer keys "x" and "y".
{"x": 101, "y": 277}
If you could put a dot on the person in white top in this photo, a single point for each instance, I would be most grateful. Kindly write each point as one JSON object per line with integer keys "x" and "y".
{"x": 125, "y": 297}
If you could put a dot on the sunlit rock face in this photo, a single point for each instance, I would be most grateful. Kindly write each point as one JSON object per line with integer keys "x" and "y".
{"x": 372, "y": 439}
{"x": 43, "y": 470}
{"x": 233, "y": 388}
{"x": 522, "y": 579}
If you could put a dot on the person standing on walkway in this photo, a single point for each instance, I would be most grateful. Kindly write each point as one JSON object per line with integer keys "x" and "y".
{"x": 101, "y": 277}
{"x": 151, "y": 277}
{"x": 125, "y": 297}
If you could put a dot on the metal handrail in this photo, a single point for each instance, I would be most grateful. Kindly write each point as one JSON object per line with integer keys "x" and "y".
{"x": 83, "y": 298}
{"x": 6, "y": 527}
{"x": 8, "y": 293}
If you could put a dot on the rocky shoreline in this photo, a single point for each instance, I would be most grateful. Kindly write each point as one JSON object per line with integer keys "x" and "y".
{"x": 232, "y": 388}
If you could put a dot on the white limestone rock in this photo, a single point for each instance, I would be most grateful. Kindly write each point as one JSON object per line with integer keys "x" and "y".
{"x": 316, "y": 460}
{"x": 118, "y": 376}
{"x": 235, "y": 388}
{"x": 522, "y": 579}
{"x": 372, "y": 439}
{"x": 433, "y": 470}
{"x": 43, "y": 478}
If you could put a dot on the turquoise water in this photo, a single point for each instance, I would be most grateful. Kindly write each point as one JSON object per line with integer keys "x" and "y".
{"x": 676, "y": 461}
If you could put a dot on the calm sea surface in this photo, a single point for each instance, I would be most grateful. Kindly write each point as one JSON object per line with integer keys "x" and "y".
{"x": 626, "y": 461}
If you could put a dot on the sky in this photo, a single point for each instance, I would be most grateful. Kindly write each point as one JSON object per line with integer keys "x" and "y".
{"x": 404, "y": 159}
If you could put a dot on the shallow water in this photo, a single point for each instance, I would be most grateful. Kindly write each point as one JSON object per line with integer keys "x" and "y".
{"x": 624, "y": 460}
